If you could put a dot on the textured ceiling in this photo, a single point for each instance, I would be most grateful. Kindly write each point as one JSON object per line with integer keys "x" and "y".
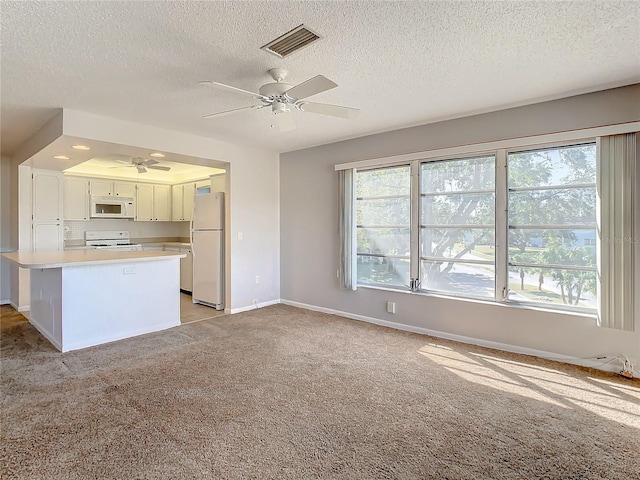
{"x": 402, "y": 63}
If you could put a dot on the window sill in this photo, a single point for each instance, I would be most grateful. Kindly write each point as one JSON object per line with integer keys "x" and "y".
{"x": 520, "y": 306}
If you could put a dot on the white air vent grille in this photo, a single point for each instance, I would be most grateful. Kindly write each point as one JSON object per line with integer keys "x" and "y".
{"x": 291, "y": 41}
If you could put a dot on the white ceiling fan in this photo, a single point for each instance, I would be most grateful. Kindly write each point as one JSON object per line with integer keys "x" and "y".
{"x": 282, "y": 98}
{"x": 142, "y": 164}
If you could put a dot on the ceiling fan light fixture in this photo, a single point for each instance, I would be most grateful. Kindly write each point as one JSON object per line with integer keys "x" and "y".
{"x": 279, "y": 107}
{"x": 291, "y": 42}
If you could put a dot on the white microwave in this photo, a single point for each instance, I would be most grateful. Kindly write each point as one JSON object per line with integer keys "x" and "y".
{"x": 112, "y": 207}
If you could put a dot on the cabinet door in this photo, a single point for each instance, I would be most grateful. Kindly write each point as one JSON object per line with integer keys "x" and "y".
{"x": 176, "y": 203}
{"x": 186, "y": 270}
{"x": 47, "y": 237}
{"x": 162, "y": 202}
{"x": 124, "y": 189}
{"x": 101, "y": 187}
{"x": 188, "y": 192}
{"x": 47, "y": 197}
{"x": 218, "y": 183}
{"x": 76, "y": 199}
{"x": 144, "y": 202}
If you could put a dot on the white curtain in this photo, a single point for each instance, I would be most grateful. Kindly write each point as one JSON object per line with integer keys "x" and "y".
{"x": 616, "y": 204}
{"x": 346, "y": 215}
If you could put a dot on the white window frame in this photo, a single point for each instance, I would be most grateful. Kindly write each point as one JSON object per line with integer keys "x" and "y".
{"x": 501, "y": 264}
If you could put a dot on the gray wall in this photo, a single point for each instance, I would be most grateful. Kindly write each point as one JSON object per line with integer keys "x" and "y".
{"x": 309, "y": 233}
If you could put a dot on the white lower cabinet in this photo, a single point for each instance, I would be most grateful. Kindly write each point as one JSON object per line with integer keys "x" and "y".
{"x": 186, "y": 270}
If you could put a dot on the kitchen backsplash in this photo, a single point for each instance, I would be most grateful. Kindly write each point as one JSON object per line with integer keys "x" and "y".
{"x": 75, "y": 230}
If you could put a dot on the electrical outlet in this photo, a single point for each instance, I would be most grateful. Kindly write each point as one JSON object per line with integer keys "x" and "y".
{"x": 257, "y": 278}
{"x": 391, "y": 307}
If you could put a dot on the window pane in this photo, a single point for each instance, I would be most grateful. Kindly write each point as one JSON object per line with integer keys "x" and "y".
{"x": 383, "y": 225}
{"x": 458, "y": 278}
{"x": 383, "y": 211}
{"x": 383, "y": 181}
{"x": 557, "y": 247}
{"x": 559, "y": 206}
{"x": 553, "y": 287}
{"x": 383, "y": 271}
{"x": 469, "y": 243}
{"x": 458, "y": 209}
{"x": 556, "y": 166}
{"x": 553, "y": 207}
{"x": 383, "y": 241}
{"x": 458, "y": 175}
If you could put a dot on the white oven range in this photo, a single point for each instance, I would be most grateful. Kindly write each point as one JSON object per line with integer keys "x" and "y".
{"x": 116, "y": 240}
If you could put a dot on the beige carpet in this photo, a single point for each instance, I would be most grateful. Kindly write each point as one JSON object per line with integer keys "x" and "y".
{"x": 285, "y": 393}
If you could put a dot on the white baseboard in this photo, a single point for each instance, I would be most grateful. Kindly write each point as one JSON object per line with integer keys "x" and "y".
{"x": 253, "y": 307}
{"x": 25, "y": 308}
{"x": 609, "y": 367}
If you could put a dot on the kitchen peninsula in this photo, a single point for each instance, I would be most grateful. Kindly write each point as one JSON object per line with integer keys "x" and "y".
{"x": 81, "y": 298}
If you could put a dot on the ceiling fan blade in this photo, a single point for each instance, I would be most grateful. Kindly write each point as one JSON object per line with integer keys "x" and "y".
{"x": 159, "y": 167}
{"x": 231, "y": 89}
{"x": 326, "y": 109}
{"x": 229, "y": 112}
{"x": 148, "y": 162}
{"x": 285, "y": 122}
{"x": 311, "y": 87}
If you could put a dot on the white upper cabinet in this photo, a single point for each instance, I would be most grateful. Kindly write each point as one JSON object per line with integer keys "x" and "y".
{"x": 101, "y": 187}
{"x": 47, "y": 196}
{"x": 47, "y": 211}
{"x": 144, "y": 202}
{"x": 124, "y": 189}
{"x": 113, "y": 188}
{"x": 182, "y": 202}
{"x": 162, "y": 202}
{"x": 153, "y": 202}
{"x": 219, "y": 183}
{"x": 76, "y": 198}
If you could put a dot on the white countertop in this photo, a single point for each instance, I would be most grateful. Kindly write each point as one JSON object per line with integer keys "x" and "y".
{"x": 68, "y": 258}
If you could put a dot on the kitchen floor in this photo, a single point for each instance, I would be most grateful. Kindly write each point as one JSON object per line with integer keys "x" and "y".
{"x": 189, "y": 312}
{"x": 194, "y": 312}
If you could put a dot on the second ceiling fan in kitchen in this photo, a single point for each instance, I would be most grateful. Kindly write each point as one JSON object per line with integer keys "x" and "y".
{"x": 142, "y": 164}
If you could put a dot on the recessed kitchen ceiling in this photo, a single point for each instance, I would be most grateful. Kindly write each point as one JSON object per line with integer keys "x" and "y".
{"x": 400, "y": 63}
{"x": 121, "y": 166}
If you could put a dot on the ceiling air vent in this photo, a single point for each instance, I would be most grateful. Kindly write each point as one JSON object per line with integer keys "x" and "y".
{"x": 291, "y": 41}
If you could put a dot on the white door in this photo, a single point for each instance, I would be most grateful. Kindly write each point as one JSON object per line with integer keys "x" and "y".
{"x": 208, "y": 211}
{"x": 101, "y": 187}
{"x": 144, "y": 202}
{"x": 47, "y": 237}
{"x": 162, "y": 202}
{"x": 47, "y": 196}
{"x": 76, "y": 198}
{"x": 124, "y": 189}
{"x": 207, "y": 266}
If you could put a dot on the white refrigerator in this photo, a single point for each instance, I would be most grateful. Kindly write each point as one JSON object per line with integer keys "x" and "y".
{"x": 207, "y": 248}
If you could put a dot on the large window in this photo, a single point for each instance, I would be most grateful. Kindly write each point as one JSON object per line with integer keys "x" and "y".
{"x": 457, "y": 226}
{"x": 383, "y": 206}
{"x": 515, "y": 226}
{"x": 552, "y": 226}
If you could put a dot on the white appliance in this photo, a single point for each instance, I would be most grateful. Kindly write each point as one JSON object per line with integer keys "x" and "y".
{"x": 112, "y": 207}
{"x": 111, "y": 240}
{"x": 207, "y": 248}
